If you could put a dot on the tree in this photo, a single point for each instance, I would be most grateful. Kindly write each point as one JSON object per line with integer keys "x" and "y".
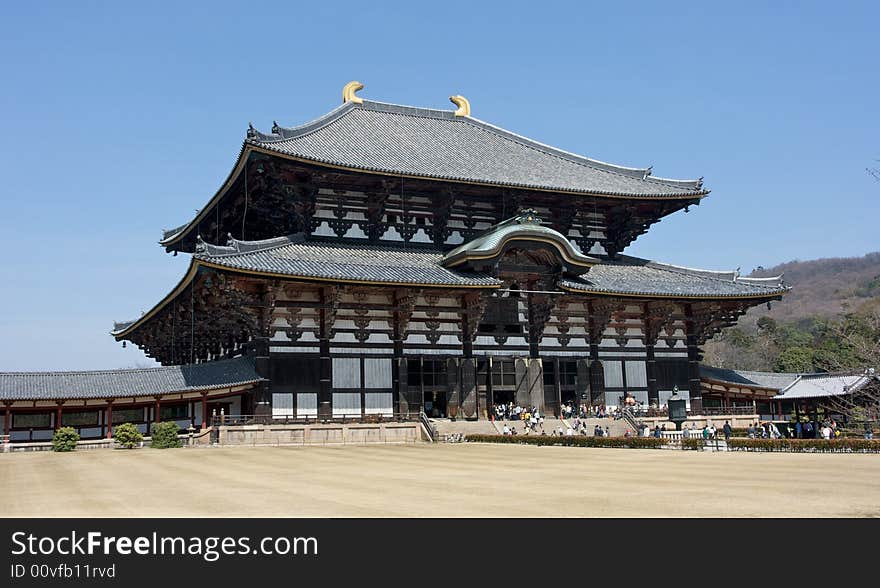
{"x": 767, "y": 324}
{"x": 795, "y": 359}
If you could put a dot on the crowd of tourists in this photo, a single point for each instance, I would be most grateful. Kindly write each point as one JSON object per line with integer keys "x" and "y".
{"x": 569, "y": 410}
{"x": 532, "y": 420}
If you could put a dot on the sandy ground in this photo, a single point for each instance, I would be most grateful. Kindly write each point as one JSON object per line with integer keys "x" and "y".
{"x": 464, "y": 480}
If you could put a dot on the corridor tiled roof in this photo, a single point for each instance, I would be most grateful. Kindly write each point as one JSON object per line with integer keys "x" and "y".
{"x": 771, "y": 380}
{"x": 792, "y": 385}
{"x": 127, "y": 383}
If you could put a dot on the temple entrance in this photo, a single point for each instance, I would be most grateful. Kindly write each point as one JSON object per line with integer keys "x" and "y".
{"x": 503, "y": 397}
{"x": 435, "y": 404}
{"x": 569, "y": 397}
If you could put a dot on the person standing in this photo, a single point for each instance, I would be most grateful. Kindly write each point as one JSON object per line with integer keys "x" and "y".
{"x": 728, "y": 430}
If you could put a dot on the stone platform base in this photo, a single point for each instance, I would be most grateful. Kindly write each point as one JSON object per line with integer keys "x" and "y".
{"x": 320, "y": 434}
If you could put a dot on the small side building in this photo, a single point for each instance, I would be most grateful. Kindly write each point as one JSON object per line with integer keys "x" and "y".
{"x": 35, "y": 404}
{"x": 780, "y": 396}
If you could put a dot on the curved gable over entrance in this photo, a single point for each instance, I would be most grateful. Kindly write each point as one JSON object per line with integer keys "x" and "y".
{"x": 525, "y": 235}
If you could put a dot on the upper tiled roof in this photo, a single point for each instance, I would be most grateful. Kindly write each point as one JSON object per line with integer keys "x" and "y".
{"x": 634, "y": 276}
{"x": 292, "y": 256}
{"x": 127, "y": 383}
{"x": 402, "y": 140}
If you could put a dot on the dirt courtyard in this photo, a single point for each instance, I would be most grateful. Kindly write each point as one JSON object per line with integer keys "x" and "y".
{"x": 447, "y": 480}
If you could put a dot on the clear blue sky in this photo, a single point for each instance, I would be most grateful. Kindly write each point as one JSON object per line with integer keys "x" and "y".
{"x": 119, "y": 121}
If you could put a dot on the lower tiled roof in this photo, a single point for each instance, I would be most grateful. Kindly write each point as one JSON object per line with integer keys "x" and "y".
{"x": 292, "y": 256}
{"x": 127, "y": 383}
{"x": 633, "y": 276}
{"x": 296, "y": 257}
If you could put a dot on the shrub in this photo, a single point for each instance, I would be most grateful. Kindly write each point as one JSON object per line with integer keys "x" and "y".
{"x": 572, "y": 441}
{"x": 127, "y": 435}
{"x": 164, "y": 436}
{"x": 807, "y": 445}
{"x": 692, "y": 444}
{"x": 65, "y": 439}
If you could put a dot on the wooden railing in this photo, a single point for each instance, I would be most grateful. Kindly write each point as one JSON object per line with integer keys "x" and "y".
{"x": 731, "y": 410}
{"x": 429, "y": 427}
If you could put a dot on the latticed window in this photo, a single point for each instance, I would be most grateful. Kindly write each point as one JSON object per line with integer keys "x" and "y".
{"x": 567, "y": 373}
{"x": 31, "y": 421}
{"x": 128, "y": 415}
{"x": 504, "y": 373}
{"x": 174, "y": 412}
{"x": 80, "y": 418}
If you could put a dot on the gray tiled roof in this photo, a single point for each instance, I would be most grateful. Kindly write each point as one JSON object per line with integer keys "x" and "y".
{"x": 633, "y": 276}
{"x": 292, "y": 256}
{"x": 127, "y": 383}
{"x": 387, "y": 138}
{"x": 296, "y": 257}
{"x": 824, "y": 385}
{"x": 775, "y": 381}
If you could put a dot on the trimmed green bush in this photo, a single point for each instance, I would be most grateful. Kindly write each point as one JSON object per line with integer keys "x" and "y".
{"x": 65, "y": 439}
{"x": 692, "y": 444}
{"x": 807, "y": 445}
{"x": 572, "y": 441}
{"x": 127, "y": 435}
{"x": 164, "y": 435}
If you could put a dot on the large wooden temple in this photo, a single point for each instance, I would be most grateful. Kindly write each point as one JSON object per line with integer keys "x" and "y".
{"x": 386, "y": 259}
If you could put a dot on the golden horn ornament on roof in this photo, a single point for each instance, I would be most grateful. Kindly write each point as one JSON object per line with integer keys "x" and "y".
{"x": 464, "y": 107}
{"x": 348, "y": 92}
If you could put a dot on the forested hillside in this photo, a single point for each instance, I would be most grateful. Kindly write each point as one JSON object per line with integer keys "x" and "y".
{"x": 829, "y": 321}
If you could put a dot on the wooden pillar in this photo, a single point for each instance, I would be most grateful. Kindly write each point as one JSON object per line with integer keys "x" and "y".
{"x": 157, "y": 410}
{"x": 7, "y": 419}
{"x": 597, "y": 373}
{"x": 108, "y": 414}
{"x": 651, "y": 372}
{"x": 325, "y": 392}
{"x": 58, "y": 416}
{"x": 204, "y": 424}
{"x": 472, "y": 400}
{"x": 263, "y": 406}
{"x": 397, "y": 355}
{"x": 693, "y": 352}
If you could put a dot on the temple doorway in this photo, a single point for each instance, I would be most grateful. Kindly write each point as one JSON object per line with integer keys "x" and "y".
{"x": 435, "y": 404}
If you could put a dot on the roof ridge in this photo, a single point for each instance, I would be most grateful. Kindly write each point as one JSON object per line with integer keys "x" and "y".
{"x": 280, "y": 133}
{"x": 708, "y": 274}
{"x": 238, "y": 246}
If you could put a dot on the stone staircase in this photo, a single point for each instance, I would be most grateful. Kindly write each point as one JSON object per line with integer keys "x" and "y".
{"x": 446, "y": 427}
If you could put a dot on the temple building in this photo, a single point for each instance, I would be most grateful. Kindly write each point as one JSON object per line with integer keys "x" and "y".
{"x": 776, "y": 396}
{"x": 388, "y": 260}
